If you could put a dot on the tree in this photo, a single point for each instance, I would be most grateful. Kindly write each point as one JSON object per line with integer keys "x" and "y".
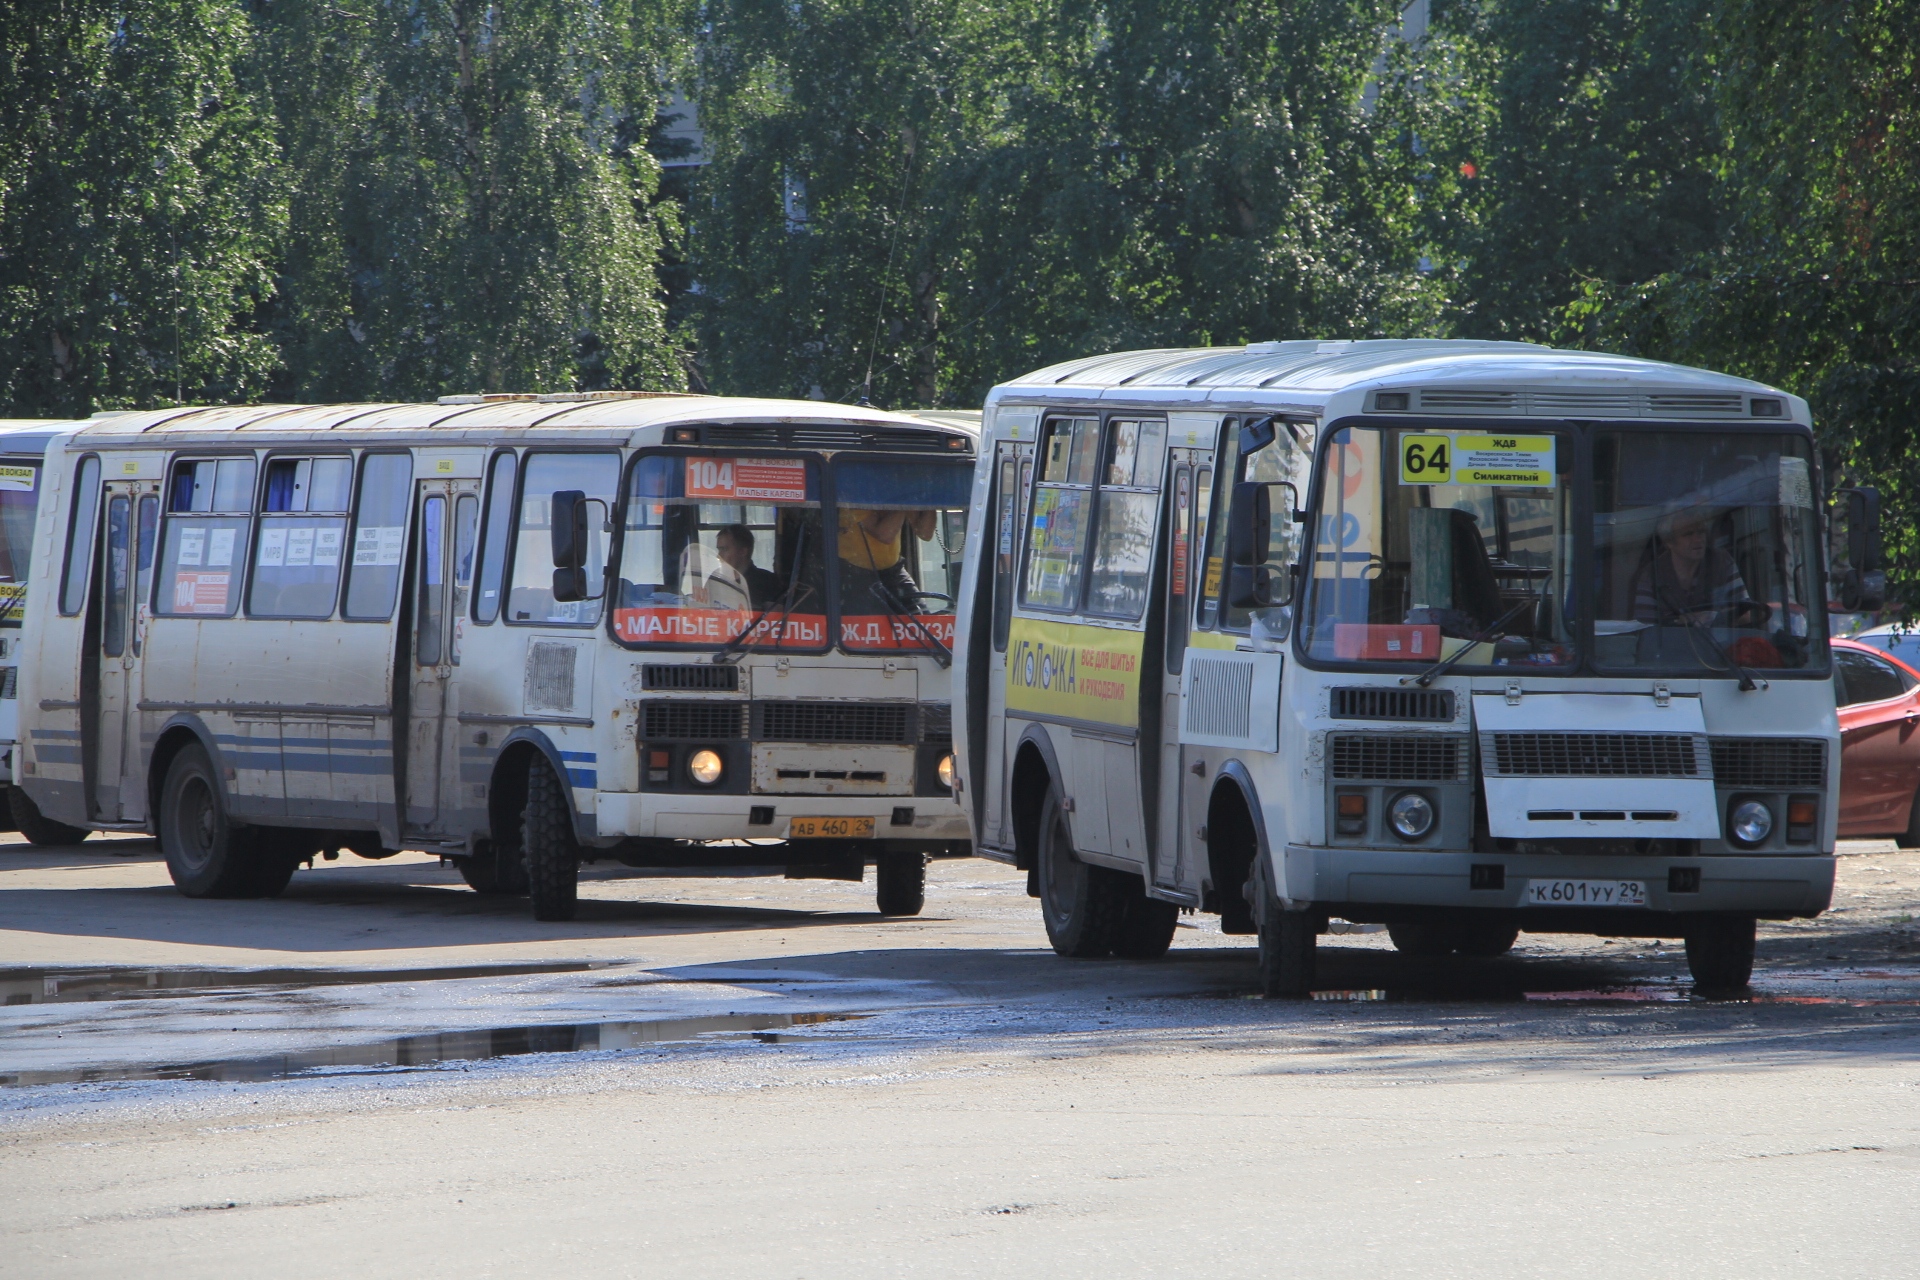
{"x": 139, "y": 211}
{"x": 472, "y": 209}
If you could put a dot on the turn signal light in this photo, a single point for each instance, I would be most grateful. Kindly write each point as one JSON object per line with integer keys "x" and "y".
{"x": 1803, "y": 815}
{"x": 1350, "y": 813}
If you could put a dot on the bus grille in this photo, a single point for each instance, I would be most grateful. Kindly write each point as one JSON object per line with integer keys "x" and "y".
{"x": 833, "y": 722}
{"x": 692, "y": 721}
{"x": 936, "y": 722}
{"x": 1398, "y": 757}
{"x": 1770, "y": 764}
{"x": 1595, "y": 755}
{"x": 683, "y": 676}
{"x": 1374, "y": 703}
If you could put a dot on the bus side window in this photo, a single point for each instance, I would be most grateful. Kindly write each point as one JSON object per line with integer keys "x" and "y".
{"x": 379, "y": 535}
{"x": 1006, "y": 537}
{"x": 303, "y": 528}
{"x": 530, "y": 591}
{"x": 204, "y": 545}
{"x": 1124, "y": 523}
{"x": 428, "y": 618}
{"x": 86, "y": 514}
{"x": 493, "y": 538}
{"x": 113, "y": 620}
{"x": 1180, "y": 569}
{"x": 147, "y": 532}
{"x": 1062, "y": 502}
{"x": 1205, "y": 588}
{"x": 1211, "y": 581}
{"x": 466, "y": 514}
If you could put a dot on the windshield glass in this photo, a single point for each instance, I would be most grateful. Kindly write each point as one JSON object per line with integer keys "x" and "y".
{"x": 19, "y": 497}
{"x": 899, "y": 530}
{"x": 718, "y": 546}
{"x": 1704, "y": 545}
{"x": 1429, "y": 542}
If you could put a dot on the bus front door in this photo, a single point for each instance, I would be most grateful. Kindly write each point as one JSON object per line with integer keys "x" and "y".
{"x": 444, "y": 516}
{"x": 1012, "y": 479}
{"x": 116, "y": 631}
{"x": 1189, "y": 484}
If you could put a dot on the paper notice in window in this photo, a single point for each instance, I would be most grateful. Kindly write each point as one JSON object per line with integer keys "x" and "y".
{"x": 273, "y": 546}
{"x": 1796, "y": 485}
{"x": 200, "y": 592}
{"x": 299, "y": 547}
{"x": 193, "y": 546}
{"x": 220, "y": 547}
{"x": 747, "y": 479}
{"x": 379, "y": 544}
{"x": 18, "y": 479}
{"x": 326, "y": 547}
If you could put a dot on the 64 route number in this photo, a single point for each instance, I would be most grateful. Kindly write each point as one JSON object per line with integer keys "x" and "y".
{"x": 1426, "y": 459}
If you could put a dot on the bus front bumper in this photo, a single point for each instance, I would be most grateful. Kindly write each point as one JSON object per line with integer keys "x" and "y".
{"x": 1388, "y": 885}
{"x": 672, "y": 816}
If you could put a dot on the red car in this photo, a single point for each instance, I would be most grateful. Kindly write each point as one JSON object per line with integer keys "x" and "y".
{"x": 1879, "y": 700}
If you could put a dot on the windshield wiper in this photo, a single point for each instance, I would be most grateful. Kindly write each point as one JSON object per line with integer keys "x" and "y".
{"x": 937, "y": 646}
{"x": 1445, "y": 665}
{"x": 789, "y": 601}
{"x": 1748, "y": 681}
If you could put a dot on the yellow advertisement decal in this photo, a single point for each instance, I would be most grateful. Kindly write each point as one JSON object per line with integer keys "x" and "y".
{"x": 1078, "y": 672}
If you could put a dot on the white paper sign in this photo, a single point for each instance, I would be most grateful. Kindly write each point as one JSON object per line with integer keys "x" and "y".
{"x": 326, "y": 547}
{"x": 220, "y": 548}
{"x": 193, "y": 543}
{"x": 273, "y": 546}
{"x": 300, "y": 547}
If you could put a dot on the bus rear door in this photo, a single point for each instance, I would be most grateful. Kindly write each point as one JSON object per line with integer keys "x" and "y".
{"x": 445, "y": 515}
{"x": 1012, "y": 481}
{"x": 111, "y": 690}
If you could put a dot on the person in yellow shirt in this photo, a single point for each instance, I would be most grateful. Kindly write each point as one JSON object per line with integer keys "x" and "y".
{"x": 871, "y": 551}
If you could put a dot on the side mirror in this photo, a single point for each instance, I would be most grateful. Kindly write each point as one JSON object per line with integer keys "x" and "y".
{"x": 1863, "y": 585}
{"x": 572, "y": 527}
{"x": 1249, "y": 523}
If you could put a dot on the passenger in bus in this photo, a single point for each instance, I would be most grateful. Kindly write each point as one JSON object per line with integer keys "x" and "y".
{"x": 1685, "y": 575}
{"x": 870, "y": 555}
{"x": 734, "y": 543}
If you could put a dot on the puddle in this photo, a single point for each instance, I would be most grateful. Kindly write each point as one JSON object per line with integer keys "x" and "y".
{"x": 448, "y": 1046}
{"x": 60, "y": 986}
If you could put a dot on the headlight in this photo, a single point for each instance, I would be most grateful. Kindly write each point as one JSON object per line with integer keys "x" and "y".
{"x": 1750, "y": 822}
{"x": 945, "y": 770}
{"x": 705, "y": 766}
{"x": 1410, "y": 815}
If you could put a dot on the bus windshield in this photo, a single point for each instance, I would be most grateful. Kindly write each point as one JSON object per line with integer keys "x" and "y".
{"x": 1430, "y": 542}
{"x": 718, "y": 547}
{"x": 1704, "y": 543}
{"x": 899, "y": 529}
{"x": 19, "y": 498}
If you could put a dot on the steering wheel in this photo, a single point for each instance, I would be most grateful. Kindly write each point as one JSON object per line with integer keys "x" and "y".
{"x": 1747, "y": 614}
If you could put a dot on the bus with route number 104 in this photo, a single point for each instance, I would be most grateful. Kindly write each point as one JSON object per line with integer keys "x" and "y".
{"x": 520, "y": 631}
{"x": 1460, "y": 638}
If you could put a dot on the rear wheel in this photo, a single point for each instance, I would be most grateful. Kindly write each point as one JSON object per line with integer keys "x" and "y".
{"x": 1910, "y": 839}
{"x": 1720, "y": 953}
{"x": 553, "y": 859}
{"x": 900, "y": 883}
{"x": 207, "y": 855}
{"x": 1146, "y": 924}
{"x": 1082, "y": 905}
{"x": 494, "y": 870}
{"x": 39, "y": 830}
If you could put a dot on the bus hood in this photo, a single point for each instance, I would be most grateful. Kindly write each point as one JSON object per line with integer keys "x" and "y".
{"x": 1596, "y": 765}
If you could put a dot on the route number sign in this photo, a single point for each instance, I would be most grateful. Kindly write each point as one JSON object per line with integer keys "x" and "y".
{"x": 1508, "y": 461}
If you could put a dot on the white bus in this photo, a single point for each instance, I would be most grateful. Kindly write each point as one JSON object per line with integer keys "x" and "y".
{"x": 23, "y": 446}
{"x": 1462, "y": 638}
{"x": 519, "y": 631}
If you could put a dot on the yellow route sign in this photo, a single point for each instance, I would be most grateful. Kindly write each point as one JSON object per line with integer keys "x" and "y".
{"x": 1524, "y": 462}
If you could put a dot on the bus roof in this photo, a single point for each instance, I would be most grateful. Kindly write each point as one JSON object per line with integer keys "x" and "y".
{"x": 30, "y": 435}
{"x": 1442, "y": 376}
{"x": 479, "y": 418}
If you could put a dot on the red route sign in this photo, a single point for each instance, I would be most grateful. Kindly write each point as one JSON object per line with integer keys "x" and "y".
{"x": 747, "y": 479}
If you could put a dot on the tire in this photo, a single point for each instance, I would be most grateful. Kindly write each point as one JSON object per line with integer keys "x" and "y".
{"x": 553, "y": 859}
{"x": 1289, "y": 946}
{"x": 1146, "y": 925}
{"x": 269, "y": 868}
{"x": 900, "y": 883}
{"x": 38, "y": 830}
{"x": 1720, "y": 954}
{"x": 208, "y": 855}
{"x": 1910, "y": 839}
{"x": 1484, "y": 941}
{"x": 1081, "y": 905}
{"x": 1424, "y": 940}
{"x": 495, "y": 870}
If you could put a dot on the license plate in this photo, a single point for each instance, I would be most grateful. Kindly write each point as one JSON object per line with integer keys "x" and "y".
{"x": 1586, "y": 893}
{"x": 830, "y": 829}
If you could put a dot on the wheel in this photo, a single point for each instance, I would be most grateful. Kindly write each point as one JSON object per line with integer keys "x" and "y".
{"x": 900, "y": 881}
{"x": 1720, "y": 953}
{"x": 494, "y": 869}
{"x": 1081, "y": 905}
{"x": 1426, "y": 940}
{"x": 553, "y": 859}
{"x": 1910, "y": 839}
{"x": 1483, "y": 940}
{"x": 207, "y": 855}
{"x": 269, "y": 868}
{"x": 1146, "y": 924}
{"x": 39, "y": 830}
{"x": 1289, "y": 943}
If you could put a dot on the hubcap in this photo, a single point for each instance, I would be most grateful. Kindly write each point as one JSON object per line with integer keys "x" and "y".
{"x": 197, "y": 825}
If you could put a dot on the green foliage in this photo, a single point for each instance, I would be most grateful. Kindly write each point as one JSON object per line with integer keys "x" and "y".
{"x": 987, "y": 189}
{"x": 469, "y": 208}
{"x": 139, "y": 212}
{"x": 1816, "y": 287}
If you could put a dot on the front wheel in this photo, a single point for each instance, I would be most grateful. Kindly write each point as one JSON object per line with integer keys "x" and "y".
{"x": 37, "y": 829}
{"x": 1289, "y": 948}
{"x": 1909, "y": 839}
{"x": 1720, "y": 954}
{"x": 553, "y": 859}
{"x": 1420, "y": 939}
{"x": 900, "y": 883}
{"x": 1080, "y": 904}
{"x": 1485, "y": 940}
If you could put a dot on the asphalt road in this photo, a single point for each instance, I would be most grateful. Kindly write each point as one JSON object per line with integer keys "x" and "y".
{"x": 383, "y": 1073}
